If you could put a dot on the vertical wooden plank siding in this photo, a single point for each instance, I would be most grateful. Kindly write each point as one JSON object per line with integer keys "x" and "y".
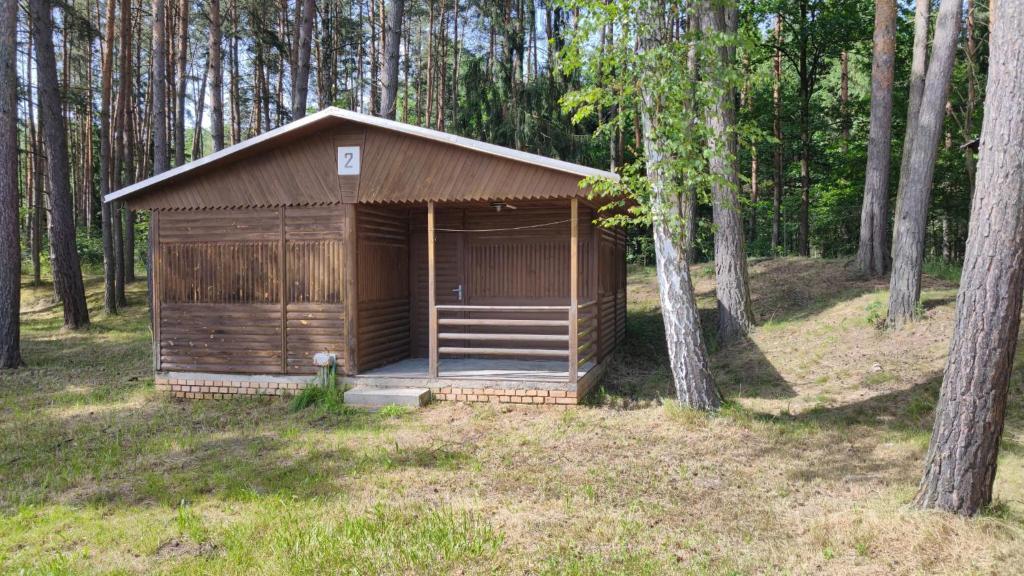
{"x": 431, "y": 293}
{"x": 154, "y": 287}
{"x": 351, "y": 351}
{"x": 284, "y": 296}
{"x": 574, "y": 290}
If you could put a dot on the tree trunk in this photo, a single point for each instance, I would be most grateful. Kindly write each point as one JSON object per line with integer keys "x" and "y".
{"x": 300, "y": 85}
{"x": 181, "y": 79}
{"x": 197, "y": 128}
{"x": 803, "y": 246}
{"x": 160, "y": 160}
{"x": 971, "y": 100}
{"x": 374, "y": 54}
{"x": 961, "y": 464}
{"x": 234, "y": 89}
{"x": 844, "y": 94}
{"x": 693, "y": 69}
{"x": 216, "y": 78}
{"x": 918, "y": 70}
{"x": 872, "y": 255}
{"x": 911, "y": 221}
{"x": 10, "y": 243}
{"x": 392, "y": 36}
{"x": 777, "y": 132}
{"x": 67, "y": 270}
{"x": 734, "y": 308}
{"x": 127, "y": 273}
{"x": 688, "y": 357}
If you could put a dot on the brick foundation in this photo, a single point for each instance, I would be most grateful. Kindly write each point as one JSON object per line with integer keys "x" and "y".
{"x": 505, "y": 396}
{"x": 216, "y": 386}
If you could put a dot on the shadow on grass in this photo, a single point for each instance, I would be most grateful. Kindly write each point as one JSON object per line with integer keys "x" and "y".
{"x": 164, "y": 451}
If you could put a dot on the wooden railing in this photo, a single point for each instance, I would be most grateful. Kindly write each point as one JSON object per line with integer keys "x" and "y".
{"x": 519, "y": 332}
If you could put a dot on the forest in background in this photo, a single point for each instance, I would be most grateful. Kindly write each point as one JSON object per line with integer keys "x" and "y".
{"x": 488, "y": 70}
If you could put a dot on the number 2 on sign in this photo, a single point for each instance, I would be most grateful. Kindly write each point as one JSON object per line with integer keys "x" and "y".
{"x": 348, "y": 160}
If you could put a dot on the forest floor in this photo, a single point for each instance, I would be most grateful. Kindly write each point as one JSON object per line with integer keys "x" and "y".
{"x": 808, "y": 469}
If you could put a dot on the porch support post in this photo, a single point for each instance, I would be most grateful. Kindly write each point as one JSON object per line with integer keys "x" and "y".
{"x": 574, "y": 290}
{"x": 431, "y": 292}
{"x": 595, "y": 283}
{"x": 349, "y": 272}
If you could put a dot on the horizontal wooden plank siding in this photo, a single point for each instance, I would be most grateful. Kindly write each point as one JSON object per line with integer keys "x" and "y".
{"x": 313, "y": 328}
{"x": 223, "y": 304}
{"x": 383, "y": 285}
{"x": 243, "y": 338}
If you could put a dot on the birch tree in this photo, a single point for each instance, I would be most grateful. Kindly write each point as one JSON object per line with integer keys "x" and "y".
{"x": 664, "y": 180}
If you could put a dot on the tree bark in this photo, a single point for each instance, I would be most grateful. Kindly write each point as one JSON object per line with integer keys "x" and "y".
{"x": 10, "y": 243}
{"x": 216, "y": 78}
{"x": 844, "y": 93}
{"x": 961, "y": 463}
{"x": 803, "y": 246}
{"x": 732, "y": 291}
{"x": 872, "y": 255}
{"x": 687, "y": 352}
{"x": 300, "y": 84}
{"x": 911, "y": 221}
{"x": 393, "y": 36}
{"x": 918, "y": 71}
{"x": 777, "y": 132}
{"x": 106, "y": 87}
{"x": 67, "y": 270}
{"x": 693, "y": 68}
{"x": 971, "y": 99}
{"x": 181, "y": 79}
{"x": 160, "y": 153}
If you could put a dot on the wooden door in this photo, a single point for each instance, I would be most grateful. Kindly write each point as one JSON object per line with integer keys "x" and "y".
{"x": 449, "y": 254}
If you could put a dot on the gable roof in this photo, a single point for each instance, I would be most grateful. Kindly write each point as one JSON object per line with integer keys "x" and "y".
{"x": 332, "y": 114}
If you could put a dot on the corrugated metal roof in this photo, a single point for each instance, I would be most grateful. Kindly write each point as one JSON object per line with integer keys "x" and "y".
{"x": 332, "y": 114}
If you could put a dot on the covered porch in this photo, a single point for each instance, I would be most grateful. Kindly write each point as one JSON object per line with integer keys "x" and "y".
{"x": 501, "y": 301}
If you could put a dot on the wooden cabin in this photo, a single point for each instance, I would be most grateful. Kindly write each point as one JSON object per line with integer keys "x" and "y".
{"x": 418, "y": 258}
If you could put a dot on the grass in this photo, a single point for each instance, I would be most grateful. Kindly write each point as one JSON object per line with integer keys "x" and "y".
{"x": 808, "y": 468}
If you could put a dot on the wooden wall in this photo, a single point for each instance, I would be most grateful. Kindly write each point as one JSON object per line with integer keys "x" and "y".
{"x": 612, "y": 289}
{"x": 383, "y": 285}
{"x": 249, "y": 291}
{"x": 262, "y": 290}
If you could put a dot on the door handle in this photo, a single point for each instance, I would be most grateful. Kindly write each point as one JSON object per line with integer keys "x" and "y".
{"x": 458, "y": 292}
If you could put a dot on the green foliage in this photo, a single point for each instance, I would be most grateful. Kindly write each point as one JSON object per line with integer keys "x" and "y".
{"x": 618, "y": 76}
{"x": 876, "y": 314}
{"x": 939, "y": 268}
{"x": 327, "y": 396}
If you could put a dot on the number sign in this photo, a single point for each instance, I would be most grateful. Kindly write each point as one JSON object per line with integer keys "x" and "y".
{"x": 348, "y": 160}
